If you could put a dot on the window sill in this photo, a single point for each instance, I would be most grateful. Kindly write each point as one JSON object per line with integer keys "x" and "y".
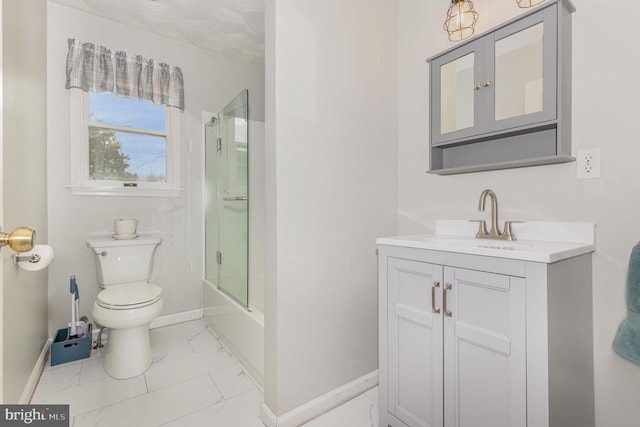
{"x": 123, "y": 192}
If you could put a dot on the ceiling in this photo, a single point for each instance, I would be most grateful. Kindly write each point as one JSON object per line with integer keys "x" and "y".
{"x": 232, "y": 28}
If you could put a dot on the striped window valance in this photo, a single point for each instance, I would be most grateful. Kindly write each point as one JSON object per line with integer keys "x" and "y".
{"x": 95, "y": 69}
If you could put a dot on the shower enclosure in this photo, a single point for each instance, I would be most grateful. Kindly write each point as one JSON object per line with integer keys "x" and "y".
{"x": 233, "y": 288}
{"x": 227, "y": 202}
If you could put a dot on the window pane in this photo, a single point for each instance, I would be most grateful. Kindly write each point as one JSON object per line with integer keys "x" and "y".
{"x": 123, "y": 156}
{"x": 106, "y": 107}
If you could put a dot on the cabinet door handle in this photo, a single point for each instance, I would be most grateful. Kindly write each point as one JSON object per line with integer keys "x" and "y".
{"x": 477, "y": 86}
{"x": 435, "y": 285}
{"x": 486, "y": 83}
{"x": 447, "y": 287}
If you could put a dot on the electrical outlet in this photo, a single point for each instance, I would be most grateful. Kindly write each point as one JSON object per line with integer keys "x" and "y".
{"x": 588, "y": 163}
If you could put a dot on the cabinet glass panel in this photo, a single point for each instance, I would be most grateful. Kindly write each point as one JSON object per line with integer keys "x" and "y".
{"x": 456, "y": 94}
{"x": 518, "y": 73}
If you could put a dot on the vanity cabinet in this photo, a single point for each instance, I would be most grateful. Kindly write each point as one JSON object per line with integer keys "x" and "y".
{"x": 503, "y": 98}
{"x": 479, "y": 341}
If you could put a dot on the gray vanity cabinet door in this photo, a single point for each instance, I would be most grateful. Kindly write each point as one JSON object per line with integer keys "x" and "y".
{"x": 413, "y": 377}
{"x": 484, "y": 349}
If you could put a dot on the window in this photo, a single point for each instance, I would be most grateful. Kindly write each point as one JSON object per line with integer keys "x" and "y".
{"x": 123, "y": 146}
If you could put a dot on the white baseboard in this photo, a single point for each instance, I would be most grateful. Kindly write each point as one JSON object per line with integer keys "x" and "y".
{"x": 172, "y": 319}
{"x": 267, "y": 417}
{"x": 320, "y": 405}
{"x": 32, "y": 382}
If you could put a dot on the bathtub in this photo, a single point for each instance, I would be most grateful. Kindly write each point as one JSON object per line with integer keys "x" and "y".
{"x": 241, "y": 330}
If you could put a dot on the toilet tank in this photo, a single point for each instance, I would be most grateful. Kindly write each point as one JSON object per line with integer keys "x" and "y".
{"x": 123, "y": 261}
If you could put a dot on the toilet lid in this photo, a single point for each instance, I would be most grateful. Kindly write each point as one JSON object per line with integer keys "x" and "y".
{"x": 130, "y": 295}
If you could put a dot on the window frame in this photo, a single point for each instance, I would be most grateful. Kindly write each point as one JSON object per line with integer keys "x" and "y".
{"x": 82, "y": 185}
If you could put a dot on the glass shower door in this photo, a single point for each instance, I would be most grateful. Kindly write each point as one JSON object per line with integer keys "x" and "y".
{"x": 231, "y": 180}
{"x": 233, "y": 203}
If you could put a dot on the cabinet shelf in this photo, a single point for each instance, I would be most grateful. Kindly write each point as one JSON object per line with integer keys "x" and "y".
{"x": 540, "y": 161}
{"x": 530, "y": 146}
{"x": 522, "y": 130}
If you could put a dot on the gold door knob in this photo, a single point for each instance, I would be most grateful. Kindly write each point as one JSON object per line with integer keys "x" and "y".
{"x": 21, "y": 239}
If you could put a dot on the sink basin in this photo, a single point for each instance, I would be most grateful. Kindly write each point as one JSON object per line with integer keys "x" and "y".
{"x": 537, "y": 241}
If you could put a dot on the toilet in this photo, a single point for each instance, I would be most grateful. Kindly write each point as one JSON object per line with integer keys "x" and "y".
{"x": 127, "y": 303}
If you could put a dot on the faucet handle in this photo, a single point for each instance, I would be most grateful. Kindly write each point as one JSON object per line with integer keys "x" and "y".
{"x": 507, "y": 230}
{"x": 482, "y": 227}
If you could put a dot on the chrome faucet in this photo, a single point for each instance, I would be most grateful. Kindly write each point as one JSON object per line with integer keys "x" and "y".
{"x": 494, "y": 232}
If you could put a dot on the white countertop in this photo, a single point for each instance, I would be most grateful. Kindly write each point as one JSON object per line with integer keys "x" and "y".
{"x": 535, "y": 241}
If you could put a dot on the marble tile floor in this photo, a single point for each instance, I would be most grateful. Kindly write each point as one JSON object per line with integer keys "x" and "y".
{"x": 193, "y": 381}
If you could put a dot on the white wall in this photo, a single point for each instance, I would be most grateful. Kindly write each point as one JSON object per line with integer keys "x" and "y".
{"x": 605, "y": 109}
{"x": 331, "y": 189}
{"x": 23, "y": 327}
{"x": 211, "y": 81}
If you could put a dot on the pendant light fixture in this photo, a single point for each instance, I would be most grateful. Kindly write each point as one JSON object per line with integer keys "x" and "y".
{"x": 528, "y": 3}
{"x": 461, "y": 20}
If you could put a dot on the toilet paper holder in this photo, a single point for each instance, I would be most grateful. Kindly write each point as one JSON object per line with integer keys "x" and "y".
{"x": 39, "y": 258}
{"x": 33, "y": 258}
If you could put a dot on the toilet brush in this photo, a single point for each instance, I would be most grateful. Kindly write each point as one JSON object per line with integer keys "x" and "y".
{"x": 73, "y": 288}
{"x": 78, "y": 325}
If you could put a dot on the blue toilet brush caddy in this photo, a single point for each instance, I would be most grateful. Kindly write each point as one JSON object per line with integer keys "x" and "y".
{"x": 74, "y": 342}
{"x": 65, "y": 350}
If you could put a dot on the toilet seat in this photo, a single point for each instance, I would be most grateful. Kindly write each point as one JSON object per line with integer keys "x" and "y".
{"x": 129, "y": 296}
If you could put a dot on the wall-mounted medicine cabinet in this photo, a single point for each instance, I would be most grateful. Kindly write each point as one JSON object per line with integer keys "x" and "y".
{"x": 503, "y": 98}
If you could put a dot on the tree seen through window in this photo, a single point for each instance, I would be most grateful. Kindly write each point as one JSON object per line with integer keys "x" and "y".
{"x": 127, "y": 140}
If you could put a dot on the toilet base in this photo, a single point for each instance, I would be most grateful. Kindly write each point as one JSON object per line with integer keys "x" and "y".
{"x": 128, "y": 352}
